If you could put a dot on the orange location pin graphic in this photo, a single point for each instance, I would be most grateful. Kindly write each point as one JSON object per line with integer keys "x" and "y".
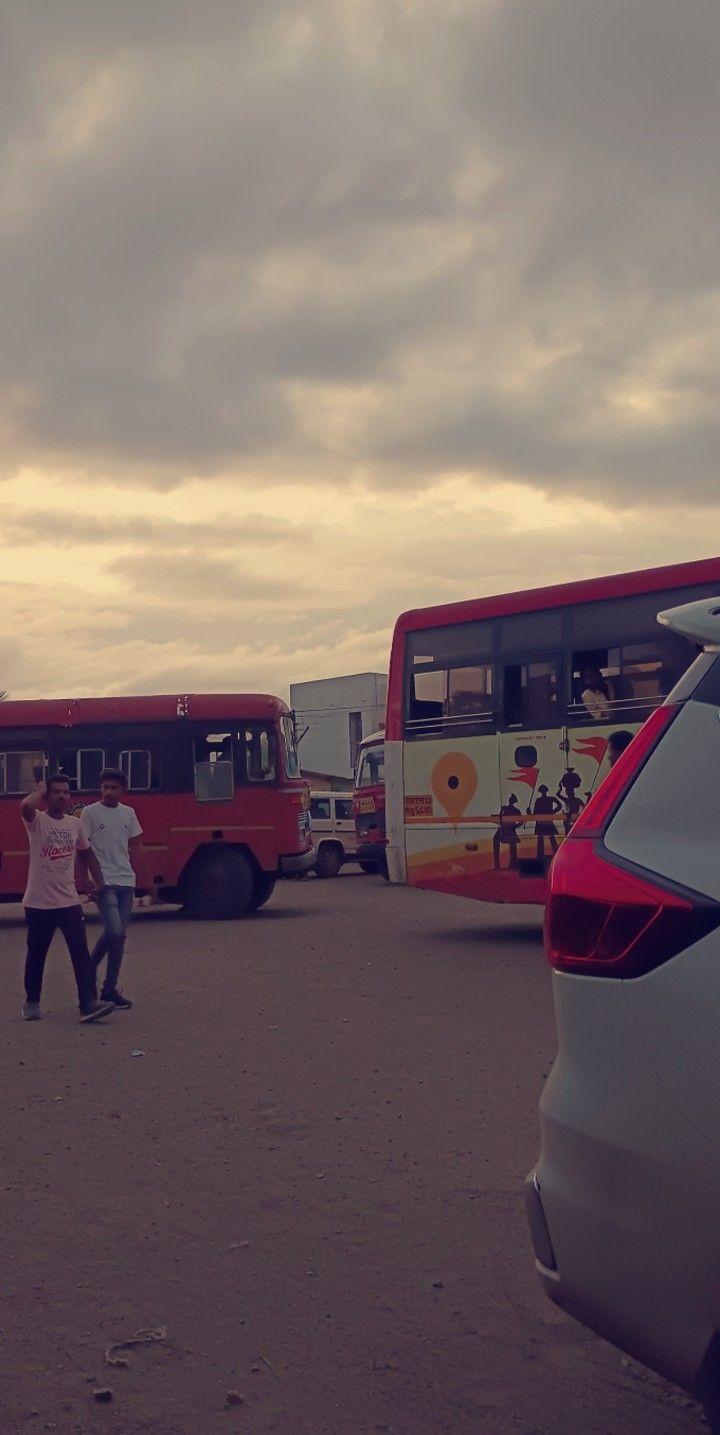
{"x": 454, "y": 783}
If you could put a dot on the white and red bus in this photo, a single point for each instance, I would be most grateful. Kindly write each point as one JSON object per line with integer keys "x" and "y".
{"x": 369, "y": 805}
{"x": 215, "y": 780}
{"x": 499, "y": 715}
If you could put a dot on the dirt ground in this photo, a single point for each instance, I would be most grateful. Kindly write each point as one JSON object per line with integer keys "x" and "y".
{"x": 300, "y": 1155}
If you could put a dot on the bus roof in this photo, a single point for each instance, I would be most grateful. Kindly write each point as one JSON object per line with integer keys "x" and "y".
{"x": 74, "y": 712}
{"x": 560, "y": 595}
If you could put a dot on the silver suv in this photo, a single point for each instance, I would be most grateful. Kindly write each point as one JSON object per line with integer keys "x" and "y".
{"x": 624, "y": 1204}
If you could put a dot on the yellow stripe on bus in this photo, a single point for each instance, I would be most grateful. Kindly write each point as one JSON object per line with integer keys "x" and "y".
{"x": 543, "y": 818}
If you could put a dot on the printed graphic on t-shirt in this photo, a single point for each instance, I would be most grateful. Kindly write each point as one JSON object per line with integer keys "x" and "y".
{"x": 51, "y": 872}
{"x": 61, "y": 847}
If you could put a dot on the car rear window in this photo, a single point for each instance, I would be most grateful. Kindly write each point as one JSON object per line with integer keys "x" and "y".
{"x": 701, "y": 682}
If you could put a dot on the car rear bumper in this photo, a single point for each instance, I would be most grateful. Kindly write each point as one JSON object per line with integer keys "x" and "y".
{"x": 621, "y": 1206}
{"x": 297, "y": 862}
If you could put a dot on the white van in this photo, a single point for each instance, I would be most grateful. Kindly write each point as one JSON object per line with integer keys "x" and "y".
{"x": 333, "y": 830}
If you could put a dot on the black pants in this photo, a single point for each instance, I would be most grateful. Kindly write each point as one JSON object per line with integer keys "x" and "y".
{"x": 42, "y": 925}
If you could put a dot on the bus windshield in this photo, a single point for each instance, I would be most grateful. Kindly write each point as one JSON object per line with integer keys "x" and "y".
{"x": 371, "y": 772}
{"x": 291, "y": 758}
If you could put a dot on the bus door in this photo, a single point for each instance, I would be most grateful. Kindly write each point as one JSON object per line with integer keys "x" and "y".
{"x": 533, "y": 777}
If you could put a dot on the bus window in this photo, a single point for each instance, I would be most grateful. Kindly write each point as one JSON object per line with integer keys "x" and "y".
{"x": 214, "y": 780}
{"x": 624, "y": 681}
{"x": 82, "y": 767}
{"x": 136, "y": 763}
{"x": 637, "y": 677}
{"x": 260, "y": 760}
{"x": 450, "y": 681}
{"x": 444, "y": 700}
{"x": 470, "y": 692}
{"x": 427, "y": 701}
{"x": 525, "y": 633}
{"x": 20, "y": 772}
{"x": 91, "y": 761}
{"x": 531, "y": 695}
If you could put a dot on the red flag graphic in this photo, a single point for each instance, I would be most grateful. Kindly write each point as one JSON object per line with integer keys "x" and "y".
{"x": 525, "y": 774}
{"x": 594, "y": 747}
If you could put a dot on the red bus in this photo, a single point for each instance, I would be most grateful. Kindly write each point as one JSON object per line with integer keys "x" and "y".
{"x": 369, "y": 805}
{"x": 214, "y": 778}
{"x": 499, "y": 716}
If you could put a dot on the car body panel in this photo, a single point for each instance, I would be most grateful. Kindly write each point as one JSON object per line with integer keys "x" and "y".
{"x": 635, "y": 1242}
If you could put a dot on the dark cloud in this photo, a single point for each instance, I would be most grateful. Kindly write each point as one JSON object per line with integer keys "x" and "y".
{"x": 192, "y": 579}
{"x": 543, "y": 443}
{"x": 27, "y": 526}
{"x": 500, "y": 221}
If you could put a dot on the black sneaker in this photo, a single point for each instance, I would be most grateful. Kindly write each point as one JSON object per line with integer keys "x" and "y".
{"x": 95, "y": 1010}
{"x": 116, "y": 998}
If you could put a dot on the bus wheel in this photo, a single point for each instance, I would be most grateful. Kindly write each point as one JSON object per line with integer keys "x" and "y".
{"x": 220, "y": 886}
{"x": 369, "y": 868}
{"x": 264, "y": 888}
{"x": 329, "y": 860}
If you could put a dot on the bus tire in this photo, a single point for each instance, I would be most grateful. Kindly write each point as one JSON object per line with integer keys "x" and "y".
{"x": 369, "y": 868}
{"x": 220, "y": 886}
{"x": 264, "y": 888}
{"x": 329, "y": 860}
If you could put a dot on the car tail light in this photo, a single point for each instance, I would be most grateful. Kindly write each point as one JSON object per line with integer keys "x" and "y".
{"x": 610, "y": 920}
{"x": 595, "y": 818}
{"x": 607, "y": 917}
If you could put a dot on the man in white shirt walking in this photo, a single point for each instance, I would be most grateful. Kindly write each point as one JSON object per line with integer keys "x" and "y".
{"x": 51, "y": 898}
{"x": 113, "y": 831}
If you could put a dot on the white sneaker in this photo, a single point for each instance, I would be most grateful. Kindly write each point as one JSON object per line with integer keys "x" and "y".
{"x": 31, "y": 1011}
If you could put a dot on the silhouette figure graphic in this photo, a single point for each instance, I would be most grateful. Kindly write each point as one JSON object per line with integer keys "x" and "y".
{"x": 545, "y": 806}
{"x": 567, "y": 792}
{"x": 506, "y": 833}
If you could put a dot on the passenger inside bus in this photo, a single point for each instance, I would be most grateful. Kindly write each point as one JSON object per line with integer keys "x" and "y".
{"x": 596, "y": 695}
{"x": 625, "y": 681}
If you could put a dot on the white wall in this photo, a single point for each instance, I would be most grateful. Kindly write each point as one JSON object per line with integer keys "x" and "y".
{"x": 324, "y": 706}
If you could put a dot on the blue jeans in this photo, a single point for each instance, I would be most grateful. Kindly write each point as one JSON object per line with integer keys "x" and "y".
{"x": 115, "y": 906}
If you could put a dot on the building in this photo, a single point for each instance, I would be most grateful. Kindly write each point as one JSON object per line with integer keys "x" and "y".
{"x": 333, "y": 715}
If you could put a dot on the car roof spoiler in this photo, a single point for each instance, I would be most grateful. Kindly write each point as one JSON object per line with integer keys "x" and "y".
{"x": 699, "y": 621}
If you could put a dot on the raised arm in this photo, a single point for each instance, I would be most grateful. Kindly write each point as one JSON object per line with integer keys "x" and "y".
{"x": 30, "y": 804}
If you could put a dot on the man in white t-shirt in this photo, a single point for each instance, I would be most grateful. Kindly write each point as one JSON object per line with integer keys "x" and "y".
{"x": 51, "y": 898}
{"x": 115, "y": 835}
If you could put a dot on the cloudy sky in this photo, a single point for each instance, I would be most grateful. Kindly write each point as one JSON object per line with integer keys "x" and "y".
{"x": 315, "y": 310}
